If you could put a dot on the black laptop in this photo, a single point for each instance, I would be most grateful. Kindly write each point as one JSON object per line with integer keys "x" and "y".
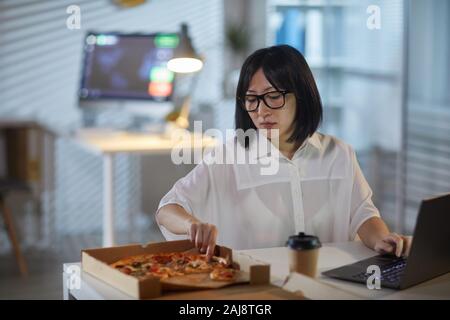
{"x": 429, "y": 255}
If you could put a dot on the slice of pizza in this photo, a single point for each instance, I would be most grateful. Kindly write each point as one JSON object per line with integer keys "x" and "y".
{"x": 223, "y": 274}
{"x": 221, "y": 261}
{"x": 162, "y": 272}
{"x": 164, "y": 259}
{"x": 166, "y": 265}
{"x": 197, "y": 265}
{"x": 130, "y": 265}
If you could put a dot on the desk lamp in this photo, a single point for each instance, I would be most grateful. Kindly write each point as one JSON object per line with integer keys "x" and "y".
{"x": 184, "y": 61}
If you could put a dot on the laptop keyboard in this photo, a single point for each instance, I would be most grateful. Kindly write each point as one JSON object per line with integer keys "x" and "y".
{"x": 390, "y": 272}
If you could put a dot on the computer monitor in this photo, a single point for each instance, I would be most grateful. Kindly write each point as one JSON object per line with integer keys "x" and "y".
{"x": 128, "y": 66}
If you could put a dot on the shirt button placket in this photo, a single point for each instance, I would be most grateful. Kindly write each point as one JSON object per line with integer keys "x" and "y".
{"x": 297, "y": 198}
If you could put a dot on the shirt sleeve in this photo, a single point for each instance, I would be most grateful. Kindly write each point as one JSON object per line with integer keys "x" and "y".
{"x": 191, "y": 193}
{"x": 361, "y": 206}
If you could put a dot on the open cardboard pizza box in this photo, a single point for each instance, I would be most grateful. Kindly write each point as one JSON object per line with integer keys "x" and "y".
{"x": 253, "y": 278}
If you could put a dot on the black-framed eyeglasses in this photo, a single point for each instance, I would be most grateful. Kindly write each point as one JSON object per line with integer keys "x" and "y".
{"x": 272, "y": 99}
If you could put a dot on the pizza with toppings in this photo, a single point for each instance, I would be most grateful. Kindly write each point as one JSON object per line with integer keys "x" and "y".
{"x": 168, "y": 265}
{"x": 223, "y": 274}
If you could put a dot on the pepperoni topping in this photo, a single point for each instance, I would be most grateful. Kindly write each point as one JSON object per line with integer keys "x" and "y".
{"x": 163, "y": 259}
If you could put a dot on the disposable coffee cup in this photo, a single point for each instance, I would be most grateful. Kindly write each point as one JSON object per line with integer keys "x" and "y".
{"x": 303, "y": 253}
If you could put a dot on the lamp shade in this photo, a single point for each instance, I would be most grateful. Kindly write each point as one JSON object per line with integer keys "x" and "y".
{"x": 185, "y": 59}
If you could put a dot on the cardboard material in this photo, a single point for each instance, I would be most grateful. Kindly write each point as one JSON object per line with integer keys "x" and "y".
{"x": 237, "y": 292}
{"x": 200, "y": 281}
{"x": 304, "y": 261}
{"x": 256, "y": 276}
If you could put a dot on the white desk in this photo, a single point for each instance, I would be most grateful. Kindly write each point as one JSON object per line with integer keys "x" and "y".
{"x": 108, "y": 143}
{"x": 331, "y": 255}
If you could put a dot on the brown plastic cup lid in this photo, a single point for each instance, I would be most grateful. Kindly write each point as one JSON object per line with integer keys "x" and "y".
{"x": 303, "y": 242}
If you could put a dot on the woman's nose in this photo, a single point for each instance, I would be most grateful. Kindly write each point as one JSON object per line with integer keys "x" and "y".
{"x": 263, "y": 108}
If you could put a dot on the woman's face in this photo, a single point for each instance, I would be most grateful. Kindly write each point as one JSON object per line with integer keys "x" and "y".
{"x": 267, "y": 118}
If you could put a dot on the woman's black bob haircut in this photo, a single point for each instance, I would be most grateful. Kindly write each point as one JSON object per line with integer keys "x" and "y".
{"x": 286, "y": 69}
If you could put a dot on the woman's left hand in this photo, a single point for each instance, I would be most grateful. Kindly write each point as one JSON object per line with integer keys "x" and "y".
{"x": 394, "y": 243}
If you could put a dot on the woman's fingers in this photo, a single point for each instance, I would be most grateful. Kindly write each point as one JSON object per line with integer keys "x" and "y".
{"x": 384, "y": 247}
{"x": 212, "y": 241}
{"x": 395, "y": 244}
{"x": 392, "y": 243}
{"x": 199, "y": 237}
{"x": 205, "y": 239}
{"x": 193, "y": 232}
{"x": 407, "y": 242}
{"x": 204, "y": 236}
{"x": 397, "y": 241}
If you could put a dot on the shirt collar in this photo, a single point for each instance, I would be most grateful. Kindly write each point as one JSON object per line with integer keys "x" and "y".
{"x": 256, "y": 153}
{"x": 314, "y": 140}
{"x": 260, "y": 147}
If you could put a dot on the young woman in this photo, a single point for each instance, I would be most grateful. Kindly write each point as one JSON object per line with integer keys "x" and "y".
{"x": 319, "y": 188}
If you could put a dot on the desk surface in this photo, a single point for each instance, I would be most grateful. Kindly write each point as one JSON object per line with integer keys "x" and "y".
{"x": 109, "y": 141}
{"x": 331, "y": 256}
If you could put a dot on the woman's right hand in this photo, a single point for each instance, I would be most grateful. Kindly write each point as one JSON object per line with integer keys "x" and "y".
{"x": 204, "y": 236}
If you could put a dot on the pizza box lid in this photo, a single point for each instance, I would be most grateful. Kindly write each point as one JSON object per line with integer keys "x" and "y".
{"x": 96, "y": 262}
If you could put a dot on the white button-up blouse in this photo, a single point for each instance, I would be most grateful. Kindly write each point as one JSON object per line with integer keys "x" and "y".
{"x": 321, "y": 191}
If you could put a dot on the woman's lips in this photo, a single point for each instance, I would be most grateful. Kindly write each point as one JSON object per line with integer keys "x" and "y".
{"x": 268, "y": 125}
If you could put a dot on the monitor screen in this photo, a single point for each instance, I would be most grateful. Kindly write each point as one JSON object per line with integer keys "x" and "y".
{"x": 128, "y": 66}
